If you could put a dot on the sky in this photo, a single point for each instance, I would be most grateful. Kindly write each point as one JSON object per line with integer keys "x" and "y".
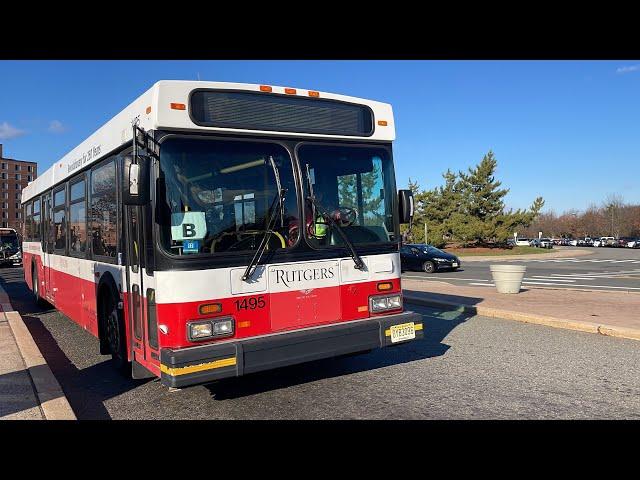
{"x": 568, "y": 131}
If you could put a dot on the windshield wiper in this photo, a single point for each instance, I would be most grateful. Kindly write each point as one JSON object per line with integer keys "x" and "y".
{"x": 359, "y": 263}
{"x": 253, "y": 264}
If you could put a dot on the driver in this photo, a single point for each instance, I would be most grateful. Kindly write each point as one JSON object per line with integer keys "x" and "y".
{"x": 315, "y": 227}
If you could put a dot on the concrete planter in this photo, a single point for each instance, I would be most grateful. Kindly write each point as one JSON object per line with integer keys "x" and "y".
{"x": 507, "y": 278}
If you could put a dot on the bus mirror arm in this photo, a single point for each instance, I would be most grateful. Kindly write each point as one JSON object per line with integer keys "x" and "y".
{"x": 135, "y": 184}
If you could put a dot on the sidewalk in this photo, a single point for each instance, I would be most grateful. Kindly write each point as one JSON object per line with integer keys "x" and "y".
{"x": 608, "y": 313}
{"x": 28, "y": 388}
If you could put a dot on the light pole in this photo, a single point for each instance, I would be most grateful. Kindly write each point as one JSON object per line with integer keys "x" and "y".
{"x": 425, "y": 233}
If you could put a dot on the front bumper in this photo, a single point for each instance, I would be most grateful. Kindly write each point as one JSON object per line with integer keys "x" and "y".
{"x": 205, "y": 363}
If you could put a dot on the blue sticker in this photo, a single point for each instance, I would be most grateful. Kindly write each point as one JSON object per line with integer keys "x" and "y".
{"x": 191, "y": 246}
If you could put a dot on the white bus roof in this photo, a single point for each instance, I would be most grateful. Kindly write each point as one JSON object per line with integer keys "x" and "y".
{"x": 153, "y": 108}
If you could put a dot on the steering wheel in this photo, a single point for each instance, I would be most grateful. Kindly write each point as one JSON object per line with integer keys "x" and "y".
{"x": 345, "y": 216}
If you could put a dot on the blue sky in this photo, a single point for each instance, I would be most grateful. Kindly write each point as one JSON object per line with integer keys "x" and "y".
{"x": 566, "y": 130}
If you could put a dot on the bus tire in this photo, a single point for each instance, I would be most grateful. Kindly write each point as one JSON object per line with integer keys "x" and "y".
{"x": 115, "y": 330}
{"x": 35, "y": 287}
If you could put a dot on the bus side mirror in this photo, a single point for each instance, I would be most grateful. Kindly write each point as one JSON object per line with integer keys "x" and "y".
{"x": 405, "y": 205}
{"x": 135, "y": 184}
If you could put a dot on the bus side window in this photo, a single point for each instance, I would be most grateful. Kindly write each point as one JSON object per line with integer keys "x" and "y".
{"x": 104, "y": 210}
{"x": 35, "y": 230}
{"x": 59, "y": 221}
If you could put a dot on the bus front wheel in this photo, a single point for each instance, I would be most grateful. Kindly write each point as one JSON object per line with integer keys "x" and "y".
{"x": 35, "y": 287}
{"x": 116, "y": 336}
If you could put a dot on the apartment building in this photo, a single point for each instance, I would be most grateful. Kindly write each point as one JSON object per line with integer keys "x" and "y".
{"x": 14, "y": 176}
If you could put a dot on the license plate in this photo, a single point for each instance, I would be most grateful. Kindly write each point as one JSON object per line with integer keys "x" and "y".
{"x": 454, "y": 264}
{"x": 404, "y": 331}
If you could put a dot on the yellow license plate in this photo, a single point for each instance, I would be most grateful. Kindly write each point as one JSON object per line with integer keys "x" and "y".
{"x": 404, "y": 331}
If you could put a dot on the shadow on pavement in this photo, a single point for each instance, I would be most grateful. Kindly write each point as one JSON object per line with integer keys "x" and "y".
{"x": 86, "y": 389}
{"x": 437, "y": 326}
{"x": 443, "y": 297}
{"x": 16, "y": 393}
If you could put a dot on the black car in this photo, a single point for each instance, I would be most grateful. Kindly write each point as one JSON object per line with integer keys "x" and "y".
{"x": 419, "y": 256}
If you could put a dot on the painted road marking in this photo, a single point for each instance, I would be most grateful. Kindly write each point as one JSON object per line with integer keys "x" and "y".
{"x": 538, "y": 278}
{"x": 445, "y": 278}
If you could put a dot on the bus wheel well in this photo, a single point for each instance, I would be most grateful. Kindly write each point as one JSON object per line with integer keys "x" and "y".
{"x": 106, "y": 287}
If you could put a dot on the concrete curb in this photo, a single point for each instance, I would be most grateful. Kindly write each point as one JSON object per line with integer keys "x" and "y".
{"x": 528, "y": 256}
{"x": 590, "y": 327}
{"x": 53, "y": 402}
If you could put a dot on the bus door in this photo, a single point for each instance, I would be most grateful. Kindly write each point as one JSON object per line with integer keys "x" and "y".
{"x": 48, "y": 239}
{"x": 135, "y": 287}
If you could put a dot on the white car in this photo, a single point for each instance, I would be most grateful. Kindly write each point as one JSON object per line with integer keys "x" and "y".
{"x": 573, "y": 243}
{"x": 607, "y": 241}
{"x": 634, "y": 243}
{"x": 523, "y": 242}
{"x": 597, "y": 242}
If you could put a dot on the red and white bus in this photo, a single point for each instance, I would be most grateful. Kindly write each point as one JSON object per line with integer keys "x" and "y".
{"x": 211, "y": 230}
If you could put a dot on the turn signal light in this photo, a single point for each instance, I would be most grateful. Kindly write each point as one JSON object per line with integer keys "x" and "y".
{"x": 178, "y": 106}
{"x": 383, "y": 286}
{"x": 208, "y": 308}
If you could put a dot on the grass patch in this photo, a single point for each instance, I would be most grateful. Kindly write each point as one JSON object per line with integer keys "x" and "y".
{"x": 498, "y": 252}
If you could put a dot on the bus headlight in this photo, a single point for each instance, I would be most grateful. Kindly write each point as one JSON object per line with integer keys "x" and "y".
{"x": 206, "y": 329}
{"x": 382, "y": 303}
{"x": 198, "y": 331}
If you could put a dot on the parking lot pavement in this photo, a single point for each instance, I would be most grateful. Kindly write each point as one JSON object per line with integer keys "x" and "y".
{"x": 607, "y": 269}
{"x": 466, "y": 367}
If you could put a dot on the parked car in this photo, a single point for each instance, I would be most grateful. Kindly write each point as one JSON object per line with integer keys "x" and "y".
{"x": 635, "y": 243}
{"x": 523, "y": 242}
{"x": 426, "y": 258}
{"x": 597, "y": 242}
{"x": 574, "y": 242}
{"x": 546, "y": 243}
{"x": 607, "y": 241}
{"x": 541, "y": 243}
{"x": 623, "y": 241}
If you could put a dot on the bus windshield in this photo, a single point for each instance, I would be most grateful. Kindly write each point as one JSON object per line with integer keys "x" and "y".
{"x": 9, "y": 241}
{"x": 353, "y": 184}
{"x": 219, "y": 196}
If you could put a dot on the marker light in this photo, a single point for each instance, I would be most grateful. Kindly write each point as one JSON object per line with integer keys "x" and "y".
{"x": 207, "y": 308}
{"x": 178, "y": 106}
{"x": 265, "y": 88}
{"x": 290, "y": 91}
{"x": 382, "y": 123}
{"x": 382, "y": 286}
{"x": 313, "y": 93}
{"x": 148, "y": 110}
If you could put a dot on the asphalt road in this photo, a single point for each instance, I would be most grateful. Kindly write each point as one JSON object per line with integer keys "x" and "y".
{"x": 466, "y": 367}
{"x": 606, "y": 269}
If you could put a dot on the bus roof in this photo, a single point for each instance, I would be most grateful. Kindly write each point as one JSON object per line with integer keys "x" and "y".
{"x": 166, "y": 106}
